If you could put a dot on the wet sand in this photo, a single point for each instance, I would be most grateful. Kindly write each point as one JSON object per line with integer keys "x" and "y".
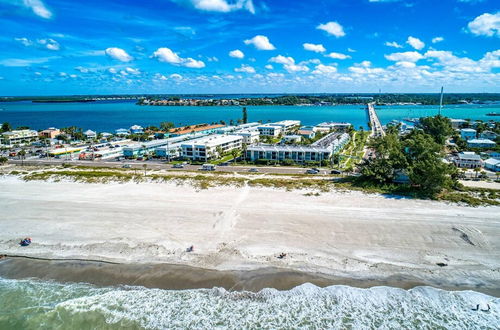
{"x": 179, "y": 277}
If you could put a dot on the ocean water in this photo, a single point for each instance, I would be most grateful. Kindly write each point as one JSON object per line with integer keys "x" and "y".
{"x": 111, "y": 115}
{"x": 35, "y": 304}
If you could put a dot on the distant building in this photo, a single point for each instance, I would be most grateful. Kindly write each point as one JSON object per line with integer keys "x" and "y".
{"x": 249, "y": 136}
{"x": 307, "y": 133}
{"x": 50, "y": 133}
{"x": 19, "y": 136}
{"x": 481, "y": 143}
{"x": 458, "y": 123}
{"x": 122, "y": 132}
{"x": 488, "y": 135}
{"x": 90, "y": 134}
{"x": 200, "y": 128}
{"x": 329, "y": 126}
{"x": 292, "y": 138}
{"x": 468, "y": 133}
{"x": 270, "y": 130}
{"x": 492, "y": 164}
{"x": 208, "y": 147}
{"x": 468, "y": 160}
{"x": 136, "y": 129}
{"x": 287, "y": 125}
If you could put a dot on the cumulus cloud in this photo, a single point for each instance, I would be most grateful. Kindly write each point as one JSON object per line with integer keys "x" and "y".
{"x": 338, "y": 56}
{"x": 393, "y": 44}
{"x": 118, "y": 54}
{"x": 245, "y": 68}
{"x": 38, "y": 8}
{"x": 454, "y": 63}
{"x": 269, "y": 67}
{"x": 260, "y": 42}
{"x": 25, "y": 41}
{"x": 332, "y": 28}
{"x": 132, "y": 71}
{"x": 437, "y": 39}
{"x": 324, "y": 69}
{"x": 236, "y": 53}
{"x": 165, "y": 54}
{"x": 221, "y": 6}
{"x": 289, "y": 63}
{"x": 317, "y": 48}
{"x": 485, "y": 25}
{"x": 405, "y": 56}
{"x": 415, "y": 43}
{"x": 175, "y": 76}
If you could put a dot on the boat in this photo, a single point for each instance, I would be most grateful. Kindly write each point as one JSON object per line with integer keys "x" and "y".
{"x": 493, "y": 114}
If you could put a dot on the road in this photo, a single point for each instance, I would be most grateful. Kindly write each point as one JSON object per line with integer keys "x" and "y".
{"x": 377, "y": 129}
{"x": 159, "y": 165}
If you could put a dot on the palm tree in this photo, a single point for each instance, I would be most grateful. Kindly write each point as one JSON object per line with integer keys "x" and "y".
{"x": 145, "y": 167}
{"x": 22, "y": 155}
{"x": 477, "y": 170}
{"x": 234, "y": 153}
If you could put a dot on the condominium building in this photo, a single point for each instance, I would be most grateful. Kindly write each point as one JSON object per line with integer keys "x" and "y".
{"x": 492, "y": 164}
{"x": 50, "y": 133}
{"x": 481, "y": 143}
{"x": 287, "y": 125}
{"x": 211, "y": 146}
{"x": 249, "y": 136}
{"x": 330, "y": 125}
{"x": 270, "y": 130}
{"x": 19, "y": 136}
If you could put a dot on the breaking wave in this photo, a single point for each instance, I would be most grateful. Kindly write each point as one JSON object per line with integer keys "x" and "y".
{"x": 35, "y": 304}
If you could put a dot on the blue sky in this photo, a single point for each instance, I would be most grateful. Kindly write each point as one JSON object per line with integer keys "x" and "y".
{"x": 56, "y": 47}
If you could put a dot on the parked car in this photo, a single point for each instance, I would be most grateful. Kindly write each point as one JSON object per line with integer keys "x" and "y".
{"x": 335, "y": 172}
{"x": 178, "y": 166}
{"x": 208, "y": 167}
{"x": 224, "y": 164}
{"x": 126, "y": 166}
{"x": 315, "y": 169}
{"x": 254, "y": 170}
{"x": 311, "y": 171}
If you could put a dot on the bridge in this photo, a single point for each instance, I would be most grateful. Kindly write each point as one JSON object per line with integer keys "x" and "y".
{"x": 377, "y": 129}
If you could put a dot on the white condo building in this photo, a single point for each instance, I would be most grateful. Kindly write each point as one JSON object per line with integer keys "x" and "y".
{"x": 208, "y": 147}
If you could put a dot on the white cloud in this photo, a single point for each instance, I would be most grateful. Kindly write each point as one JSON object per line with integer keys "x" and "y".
{"x": 236, "y": 53}
{"x": 118, "y": 54}
{"x": 405, "y": 64}
{"x": 453, "y": 63}
{"x": 25, "y": 41}
{"x": 289, "y": 63}
{"x": 332, "y": 28}
{"x": 245, "y": 68}
{"x": 81, "y": 69}
{"x": 175, "y": 76}
{"x": 38, "y": 8}
{"x": 112, "y": 70}
{"x": 405, "y": 57}
{"x": 50, "y": 44}
{"x": 165, "y": 54}
{"x": 324, "y": 69}
{"x": 318, "y": 48}
{"x": 486, "y": 25}
{"x": 393, "y": 44}
{"x": 132, "y": 71}
{"x": 159, "y": 76}
{"x": 338, "y": 56}
{"x": 415, "y": 43}
{"x": 222, "y": 6}
{"x": 260, "y": 42}
{"x": 437, "y": 39}
{"x": 18, "y": 62}
{"x": 269, "y": 67}
{"x": 350, "y": 50}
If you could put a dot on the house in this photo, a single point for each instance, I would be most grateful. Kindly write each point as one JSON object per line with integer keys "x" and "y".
{"x": 468, "y": 133}
{"x": 468, "y": 160}
{"x": 209, "y": 147}
{"x": 307, "y": 133}
{"x": 122, "y": 132}
{"x": 492, "y": 164}
{"x": 136, "y": 129}
{"x": 90, "y": 134}
{"x": 287, "y": 125}
{"x": 481, "y": 143}
{"x": 50, "y": 133}
{"x": 19, "y": 136}
{"x": 270, "y": 130}
{"x": 488, "y": 135}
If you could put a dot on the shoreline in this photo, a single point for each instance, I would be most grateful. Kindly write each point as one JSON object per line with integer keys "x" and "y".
{"x": 336, "y": 237}
{"x": 182, "y": 277}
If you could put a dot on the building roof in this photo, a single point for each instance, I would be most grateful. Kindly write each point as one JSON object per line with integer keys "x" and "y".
{"x": 481, "y": 141}
{"x": 136, "y": 127}
{"x": 470, "y": 130}
{"x": 194, "y": 128}
{"x": 212, "y": 140}
{"x": 469, "y": 156}
{"x": 492, "y": 162}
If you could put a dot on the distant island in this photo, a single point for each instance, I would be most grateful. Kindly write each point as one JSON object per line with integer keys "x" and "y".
{"x": 380, "y": 99}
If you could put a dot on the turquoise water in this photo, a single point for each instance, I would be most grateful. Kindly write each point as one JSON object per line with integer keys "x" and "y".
{"x": 108, "y": 116}
{"x": 33, "y": 304}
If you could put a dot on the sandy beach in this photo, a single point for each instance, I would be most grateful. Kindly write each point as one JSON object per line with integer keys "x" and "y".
{"x": 344, "y": 234}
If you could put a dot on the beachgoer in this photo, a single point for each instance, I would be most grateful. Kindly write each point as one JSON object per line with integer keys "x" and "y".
{"x": 190, "y": 249}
